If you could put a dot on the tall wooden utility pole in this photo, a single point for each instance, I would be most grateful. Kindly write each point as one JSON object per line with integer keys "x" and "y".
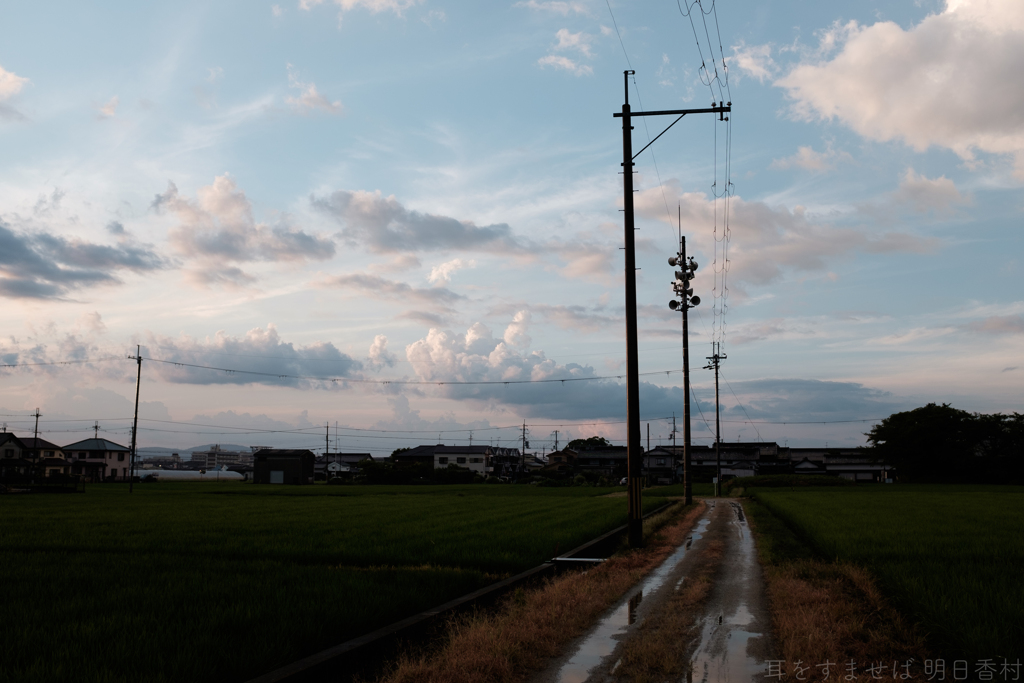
{"x": 634, "y": 448}
{"x": 135, "y": 423}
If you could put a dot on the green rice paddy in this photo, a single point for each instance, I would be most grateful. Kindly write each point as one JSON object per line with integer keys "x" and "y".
{"x": 224, "y": 582}
{"x": 950, "y": 557}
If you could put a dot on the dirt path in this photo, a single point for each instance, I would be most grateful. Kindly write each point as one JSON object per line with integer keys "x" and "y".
{"x": 731, "y": 645}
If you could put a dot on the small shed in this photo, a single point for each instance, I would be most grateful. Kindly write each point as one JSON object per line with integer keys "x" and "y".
{"x": 283, "y": 466}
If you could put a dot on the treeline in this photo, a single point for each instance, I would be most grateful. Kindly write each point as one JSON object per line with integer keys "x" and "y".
{"x": 938, "y": 443}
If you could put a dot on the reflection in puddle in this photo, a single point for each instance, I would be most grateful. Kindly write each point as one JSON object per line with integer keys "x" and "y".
{"x": 634, "y": 602}
{"x": 604, "y": 637}
{"x": 722, "y": 654}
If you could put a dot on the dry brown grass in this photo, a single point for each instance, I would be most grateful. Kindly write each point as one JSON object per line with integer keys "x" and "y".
{"x": 833, "y": 612}
{"x": 660, "y": 650}
{"x": 532, "y": 626}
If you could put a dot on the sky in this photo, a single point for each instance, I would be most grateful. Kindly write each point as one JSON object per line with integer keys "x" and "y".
{"x": 379, "y": 204}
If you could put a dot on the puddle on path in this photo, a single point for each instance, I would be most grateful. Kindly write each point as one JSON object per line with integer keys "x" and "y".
{"x": 723, "y": 655}
{"x": 604, "y": 637}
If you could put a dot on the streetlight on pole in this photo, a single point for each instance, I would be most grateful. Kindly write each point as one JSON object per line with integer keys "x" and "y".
{"x": 634, "y": 448}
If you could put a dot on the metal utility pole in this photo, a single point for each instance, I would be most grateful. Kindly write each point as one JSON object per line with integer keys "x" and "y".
{"x": 683, "y": 290}
{"x": 96, "y": 430}
{"x": 716, "y": 358}
{"x": 556, "y": 439}
{"x": 135, "y": 422}
{"x": 35, "y": 434}
{"x": 634, "y": 457}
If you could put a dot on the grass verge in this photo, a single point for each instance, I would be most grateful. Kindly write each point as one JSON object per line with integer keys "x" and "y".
{"x": 825, "y": 611}
{"x": 532, "y": 626}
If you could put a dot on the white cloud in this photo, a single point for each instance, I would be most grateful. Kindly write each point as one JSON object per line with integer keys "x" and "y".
{"x": 560, "y": 62}
{"x": 574, "y": 41}
{"x": 219, "y": 228}
{"x": 812, "y": 160}
{"x": 10, "y": 84}
{"x": 767, "y": 240}
{"x": 214, "y": 73}
{"x": 928, "y": 194}
{"x": 379, "y": 356}
{"x": 946, "y": 82}
{"x": 579, "y": 42}
{"x": 109, "y": 109}
{"x": 276, "y": 10}
{"x": 373, "y": 6}
{"x": 557, "y": 6}
{"x": 754, "y": 60}
{"x": 309, "y": 98}
{"x": 515, "y": 333}
{"x": 444, "y": 271}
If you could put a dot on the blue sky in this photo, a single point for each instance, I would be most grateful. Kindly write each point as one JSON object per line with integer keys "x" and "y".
{"x": 429, "y": 191}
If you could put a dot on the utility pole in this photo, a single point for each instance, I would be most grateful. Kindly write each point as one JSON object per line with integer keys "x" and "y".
{"x": 327, "y": 440}
{"x": 522, "y": 458}
{"x": 716, "y": 358}
{"x": 35, "y": 434}
{"x": 96, "y": 429}
{"x": 634, "y": 449}
{"x": 683, "y": 290}
{"x": 135, "y": 422}
{"x": 556, "y": 439}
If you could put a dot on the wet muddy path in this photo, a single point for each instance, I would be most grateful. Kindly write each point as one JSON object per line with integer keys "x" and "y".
{"x": 732, "y": 642}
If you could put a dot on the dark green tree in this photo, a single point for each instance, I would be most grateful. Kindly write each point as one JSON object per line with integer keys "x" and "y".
{"x": 591, "y": 442}
{"x": 939, "y": 443}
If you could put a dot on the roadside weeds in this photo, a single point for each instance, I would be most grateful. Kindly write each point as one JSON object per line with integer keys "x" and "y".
{"x": 531, "y": 626}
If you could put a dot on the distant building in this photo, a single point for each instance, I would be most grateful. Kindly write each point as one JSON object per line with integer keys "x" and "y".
{"x": 47, "y": 458}
{"x": 282, "y": 466}
{"x": 330, "y": 465}
{"x": 215, "y": 458}
{"x": 99, "y": 460}
{"x": 605, "y": 460}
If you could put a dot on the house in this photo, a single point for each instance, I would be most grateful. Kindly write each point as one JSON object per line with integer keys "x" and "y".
{"x": 561, "y": 462}
{"x": 605, "y": 460}
{"x": 331, "y": 465}
{"x": 99, "y": 459}
{"x": 47, "y": 458}
{"x": 12, "y": 451}
{"x": 283, "y": 466}
{"x": 484, "y": 460}
{"x": 420, "y": 455}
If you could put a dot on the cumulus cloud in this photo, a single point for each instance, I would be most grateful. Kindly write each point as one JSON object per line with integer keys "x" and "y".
{"x": 768, "y": 240}
{"x": 444, "y": 271}
{"x": 260, "y": 351}
{"x": 477, "y": 356}
{"x": 383, "y": 224}
{"x": 515, "y": 333}
{"x": 379, "y": 356}
{"x": 10, "y": 85}
{"x": 41, "y": 265}
{"x": 309, "y": 98}
{"x": 944, "y": 82}
{"x": 218, "y": 229}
